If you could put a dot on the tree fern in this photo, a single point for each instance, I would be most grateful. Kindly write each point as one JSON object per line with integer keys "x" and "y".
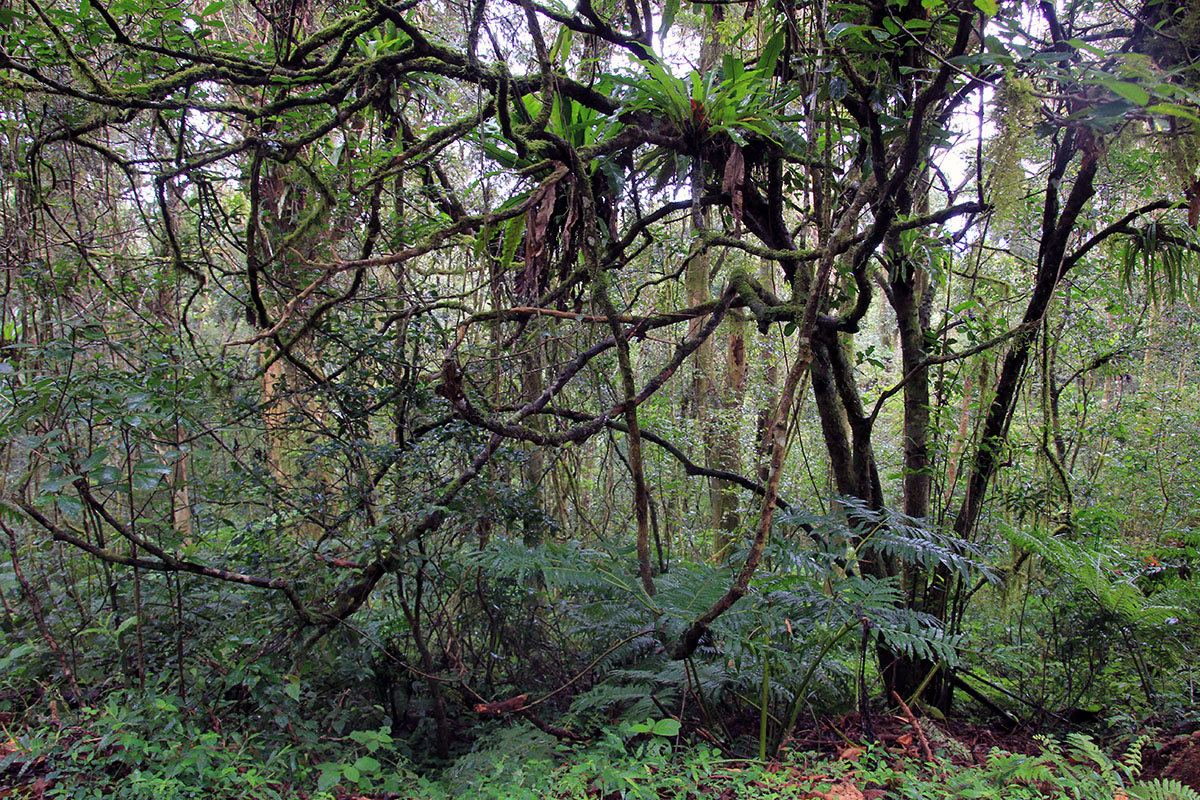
{"x": 913, "y": 540}
{"x": 799, "y": 624}
{"x": 561, "y": 566}
{"x": 887, "y": 532}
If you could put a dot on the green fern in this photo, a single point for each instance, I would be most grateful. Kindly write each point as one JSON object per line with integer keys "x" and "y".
{"x": 1133, "y": 756}
{"x": 1162, "y": 789}
{"x": 1101, "y": 571}
{"x": 896, "y": 535}
{"x": 1083, "y": 770}
{"x": 795, "y": 626}
{"x": 561, "y": 566}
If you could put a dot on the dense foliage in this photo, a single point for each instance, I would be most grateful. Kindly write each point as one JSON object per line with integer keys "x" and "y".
{"x": 377, "y": 374}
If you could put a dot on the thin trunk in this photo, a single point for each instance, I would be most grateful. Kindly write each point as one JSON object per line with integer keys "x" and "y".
{"x": 532, "y": 384}
{"x": 906, "y": 300}
{"x": 1052, "y": 266}
{"x": 35, "y": 610}
{"x": 726, "y": 446}
{"x": 960, "y": 437}
{"x": 412, "y": 613}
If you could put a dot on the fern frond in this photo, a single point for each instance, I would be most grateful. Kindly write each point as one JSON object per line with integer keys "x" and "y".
{"x": 1086, "y": 752}
{"x": 1098, "y": 569}
{"x": 923, "y": 641}
{"x": 1162, "y": 789}
{"x": 913, "y": 540}
{"x": 1133, "y": 756}
{"x": 891, "y": 533}
{"x": 561, "y": 566}
{"x": 1008, "y": 768}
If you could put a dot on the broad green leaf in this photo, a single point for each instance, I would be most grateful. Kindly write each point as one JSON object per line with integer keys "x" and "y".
{"x": 57, "y": 483}
{"x": 843, "y": 29}
{"x": 666, "y": 727}
{"x": 770, "y": 54}
{"x": 1130, "y": 91}
{"x": 105, "y": 474}
{"x": 330, "y": 775}
{"x": 670, "y": 9}
{"x": 367, "y": 764}
{"x": 1079, "y": 44}
{"x": 1173, "y": 110}
{"x": 94, "y": 460}
{"x": 68, "y": 505}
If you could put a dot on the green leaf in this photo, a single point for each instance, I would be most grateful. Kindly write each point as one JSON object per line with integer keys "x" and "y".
{"x": 670, "y": 9}
{"x": 330, "y": 775}
{"x": 770, "y": 54}
{"x": 292, "y": 688}
{"x": 94, "y": 460}
{"x": 106, "y": 474}
{"x": 143, "y": 482}
{"x": 68, "y": 505}
{"x": 842, "y": 29}
{"x": 1079, "y": 44}
{"x": 989, "y": 7}
{"x": 367, "y": 764}
{"x": 1130, "y": 91}
{"x": 666, "y": 727}
{"x": 1173, "y": 110}
{"x": 57, "y": 483}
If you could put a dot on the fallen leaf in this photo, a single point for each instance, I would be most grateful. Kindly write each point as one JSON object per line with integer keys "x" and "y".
{"x": 851, "y": 753}
{"x": 844, "y": 791}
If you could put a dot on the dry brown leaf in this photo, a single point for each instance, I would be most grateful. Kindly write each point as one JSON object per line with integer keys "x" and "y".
{"x": 732, "y": 183}
{"x": 851, "y": 753}
{"x": 843, "y": 790}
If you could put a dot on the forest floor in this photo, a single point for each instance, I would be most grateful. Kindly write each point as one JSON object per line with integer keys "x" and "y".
{"x": 908, "y": 759}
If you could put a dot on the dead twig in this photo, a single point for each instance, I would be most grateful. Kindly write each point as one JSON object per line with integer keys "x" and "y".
{"x": 917, "y": 727}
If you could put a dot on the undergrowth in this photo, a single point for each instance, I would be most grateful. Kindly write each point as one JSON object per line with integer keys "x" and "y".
{"x": 156, "y": 752}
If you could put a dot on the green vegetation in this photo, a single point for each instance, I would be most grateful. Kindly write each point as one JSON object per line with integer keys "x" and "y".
{"x": 503, "y": 398}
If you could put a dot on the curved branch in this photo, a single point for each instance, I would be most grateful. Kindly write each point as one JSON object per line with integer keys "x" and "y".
{"x": 167, "y": 563}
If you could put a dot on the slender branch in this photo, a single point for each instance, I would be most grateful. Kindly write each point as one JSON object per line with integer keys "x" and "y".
{"x": 1120, "y": 226}
{"x": 165, "y": 563}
